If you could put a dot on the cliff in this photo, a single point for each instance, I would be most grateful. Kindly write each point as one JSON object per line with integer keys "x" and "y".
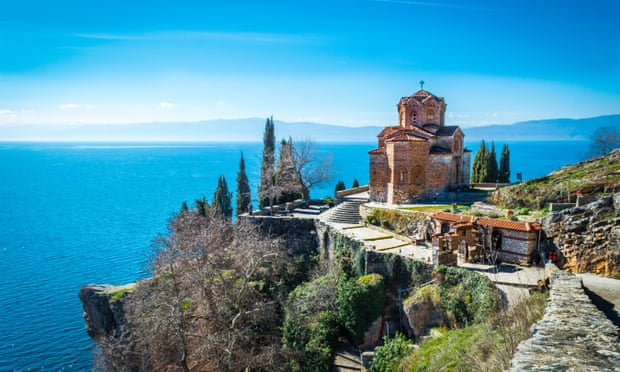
{"x": 103, "y": 308}
{"x": 587, "y": 237}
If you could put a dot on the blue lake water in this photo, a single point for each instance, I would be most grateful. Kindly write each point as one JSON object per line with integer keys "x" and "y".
{"x": 74, "y": 214}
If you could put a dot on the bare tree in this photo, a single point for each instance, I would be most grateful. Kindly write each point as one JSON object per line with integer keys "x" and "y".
{"x": 313, "y": 168}
{"x": 207, "y": 306}
{"x": 603, "y": 140}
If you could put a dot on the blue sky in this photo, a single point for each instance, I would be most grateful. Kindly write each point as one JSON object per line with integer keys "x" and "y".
{"x": 341, "y": 62}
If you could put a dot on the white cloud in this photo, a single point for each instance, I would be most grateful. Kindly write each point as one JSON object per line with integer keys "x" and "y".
{"x": 69, "y": 106}
{"x": 221, "y": 103}
{"x": 166, "y": 105}
{"x": 6, "y": 112}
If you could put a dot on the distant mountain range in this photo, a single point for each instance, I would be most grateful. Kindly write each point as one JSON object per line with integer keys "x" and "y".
{"x": 544, "y": 130}
{"x": 251, "y": 130}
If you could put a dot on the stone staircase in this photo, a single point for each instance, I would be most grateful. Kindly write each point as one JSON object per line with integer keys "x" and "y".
{"x": 347, "y": 212}
{"x": 346, "y": 360}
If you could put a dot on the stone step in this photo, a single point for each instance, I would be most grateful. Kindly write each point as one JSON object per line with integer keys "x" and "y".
{"x": 345, "y": 361}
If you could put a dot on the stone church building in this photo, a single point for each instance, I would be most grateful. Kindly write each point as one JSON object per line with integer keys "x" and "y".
{"x": 421, "y": 157}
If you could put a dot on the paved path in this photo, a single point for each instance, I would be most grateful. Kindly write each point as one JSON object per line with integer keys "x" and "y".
{"x": 605, "y": 295}
{"x": 384, "y": 241}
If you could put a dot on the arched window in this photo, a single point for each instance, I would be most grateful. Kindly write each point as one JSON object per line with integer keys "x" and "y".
{"x": 414, "y": 118}
{"x": 401, "y": 176}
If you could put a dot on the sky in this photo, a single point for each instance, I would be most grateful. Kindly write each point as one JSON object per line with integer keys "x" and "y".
{"x": 344, "y": 62}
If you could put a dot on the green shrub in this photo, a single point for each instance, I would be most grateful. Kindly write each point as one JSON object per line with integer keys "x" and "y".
{"x": 523, "y": 211}
{"x": 389, "y": 356}
{"x": 360, "y": 302}
{"x": 466, "y": 295}
{"x": 311, "y": 326}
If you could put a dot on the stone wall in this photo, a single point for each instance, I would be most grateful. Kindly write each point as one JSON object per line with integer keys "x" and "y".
{"x": 517, "y": 245}
{"x": 587, "y": 237}
{"x": 299, "y": 234}
{"x": 573, "y": 335}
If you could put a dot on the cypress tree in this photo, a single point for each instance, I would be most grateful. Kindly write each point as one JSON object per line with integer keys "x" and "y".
{"x": 265, "y": 188}
{"x": 184, "y": 207}
{"x": 504, "y": 165}
{"x": 479, "y": 168}
{"x": 221, "y": 202}
{"x": 492, "y": 165}
{"x": 243, "y": 189}
{"x": 202, "y": 206}
{"x": 340, "y": 186}
{"x": 287, "y": 180}
{"x": 356, "y": 183}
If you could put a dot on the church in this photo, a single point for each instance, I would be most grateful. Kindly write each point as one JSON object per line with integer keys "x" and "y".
{"x": 421, "y": 157}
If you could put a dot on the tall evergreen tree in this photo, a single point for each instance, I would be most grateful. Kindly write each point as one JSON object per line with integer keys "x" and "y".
{"x": 479, "y": 168}
{"x": 202, "y": 206}
{"x": 265, "y": 188}
{"x": 221, "y": 202}
{"x": 492, "y": 165}
{"x": 504, "y": 165}
{"x": 340, "y": 186}
{"x": 244, "y": 198}
{"x": 184, "y": 207}
{"x": 287, "y": 180}
{"x": 356, "y": 183}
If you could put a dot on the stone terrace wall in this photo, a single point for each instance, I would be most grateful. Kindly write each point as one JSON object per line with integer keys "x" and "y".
{"x": 573, "y": 335}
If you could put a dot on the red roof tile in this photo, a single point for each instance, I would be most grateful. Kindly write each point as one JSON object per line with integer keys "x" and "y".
{"x": 484, "y": 221}
{"x": 509, "y": 225}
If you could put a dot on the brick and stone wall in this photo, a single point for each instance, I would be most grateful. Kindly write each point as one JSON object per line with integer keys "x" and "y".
{"x": 517, "y": 245}
{"x": 573, "y": 335}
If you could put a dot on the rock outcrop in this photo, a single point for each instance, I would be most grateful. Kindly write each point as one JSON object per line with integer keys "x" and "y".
{"x": 103, "y": 308}
{"x": 588, "y": 237}
{"x": 573, "y": 335}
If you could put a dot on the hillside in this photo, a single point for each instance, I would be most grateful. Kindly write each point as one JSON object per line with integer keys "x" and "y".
{"x": 591, "y": 177}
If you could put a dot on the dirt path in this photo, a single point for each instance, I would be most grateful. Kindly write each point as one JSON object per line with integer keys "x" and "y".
{"x": 605, "y": 294}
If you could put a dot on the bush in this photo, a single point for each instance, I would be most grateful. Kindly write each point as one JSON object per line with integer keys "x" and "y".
{"x": 466, "y": 295}
{"x": 311, "y": 327}
{"x": 360, "y": 302}
{"x": 388, "y": 357}
{"x": 523, "y": 211}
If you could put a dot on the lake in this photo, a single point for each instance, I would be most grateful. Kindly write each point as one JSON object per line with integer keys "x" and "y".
{"x": 79, "y": 213}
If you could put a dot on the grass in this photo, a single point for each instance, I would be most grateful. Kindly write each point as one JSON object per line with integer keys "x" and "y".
{"x": 118, "y": 295}
{"x": 487, "y": 346}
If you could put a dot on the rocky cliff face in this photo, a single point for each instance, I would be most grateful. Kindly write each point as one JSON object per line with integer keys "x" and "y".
{"x": 103, "y": 308}
{"x": 587, "y": 237}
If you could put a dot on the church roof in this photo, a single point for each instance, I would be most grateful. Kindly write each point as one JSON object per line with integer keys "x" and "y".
{"x": 378, "y": 151}
{"x": 409, "y": 134}
{"x": 422, "y": 95}
{"x": 440, "y": 150}
{"x": 406, "y": 136}
{"x": 388, "y": 131}
{"x": 447, "y": 130}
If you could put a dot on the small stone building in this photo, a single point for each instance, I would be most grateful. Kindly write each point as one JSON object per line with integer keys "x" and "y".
{"x": 420, "y": 157}
{"x": 479, "y": 238}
